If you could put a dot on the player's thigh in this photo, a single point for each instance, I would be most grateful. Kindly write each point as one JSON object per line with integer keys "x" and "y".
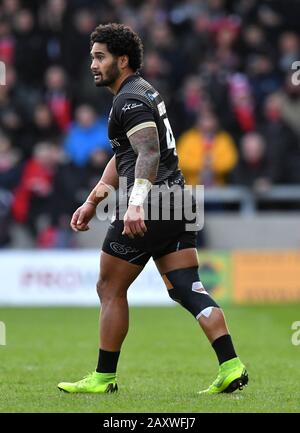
{"x": 181, "y": 259}
{"x": 115, "y": 275}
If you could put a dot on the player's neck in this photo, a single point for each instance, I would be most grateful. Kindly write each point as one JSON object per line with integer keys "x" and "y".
{"x": 114, "y": 88}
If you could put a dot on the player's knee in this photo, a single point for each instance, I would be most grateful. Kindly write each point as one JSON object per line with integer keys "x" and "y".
{"x": 109, "y": 290}
{"x": 187, "y": 290}
{"x": 102, "y": 288}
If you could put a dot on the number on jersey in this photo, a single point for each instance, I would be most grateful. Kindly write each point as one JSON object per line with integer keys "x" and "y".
{"x": 169, "y": 133}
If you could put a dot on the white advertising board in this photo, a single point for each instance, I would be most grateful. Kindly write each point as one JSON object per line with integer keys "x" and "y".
{"x": 64, "y": 277}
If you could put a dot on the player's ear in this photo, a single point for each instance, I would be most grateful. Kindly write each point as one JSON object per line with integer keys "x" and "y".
{"x": 124, "y": 61}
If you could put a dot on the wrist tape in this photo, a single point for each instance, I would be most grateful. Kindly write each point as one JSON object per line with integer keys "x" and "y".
{"x": 139, "y": 191}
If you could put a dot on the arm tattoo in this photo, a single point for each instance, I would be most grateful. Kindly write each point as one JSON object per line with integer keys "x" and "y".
{"x": 145, "y": 143}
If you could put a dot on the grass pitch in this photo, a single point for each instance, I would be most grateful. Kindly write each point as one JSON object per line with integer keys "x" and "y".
{"x": 165, "y": 360}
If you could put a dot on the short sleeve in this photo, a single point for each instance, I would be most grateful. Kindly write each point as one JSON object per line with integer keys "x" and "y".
{"x": 134, "y": 114}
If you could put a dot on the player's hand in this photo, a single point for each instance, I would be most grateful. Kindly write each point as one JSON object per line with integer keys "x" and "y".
{"x": 82, "y": 216}
{"x": 134, "y": 221}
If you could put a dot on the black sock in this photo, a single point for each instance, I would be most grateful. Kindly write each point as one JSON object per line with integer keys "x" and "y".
{"x": 224, "y": 348}
{"x": 107, "y": 361}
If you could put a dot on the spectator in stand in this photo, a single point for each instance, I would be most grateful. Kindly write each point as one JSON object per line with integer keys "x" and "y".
{"x": 194, "y": 100}
{"x": 254, "y": 167}
{"x": 42, "y": 127}
{"x": 72, "y": 184}
{"x": 263, "y": 78}
{"x": 95, "y": 167}
{"x": 289, "y": 50}
{"x": 30, "y": 53}
{"x": 33, "y": 195}
{"x": 43, "y": 124}
{"x": 226, "y": 31}
{"x": 21, "y": 98}
{"x": 10, "y": 165}
{"x": 241, "y": 104}
{"x": 70, "y": 187}
{"x": 198, "y": 38}
{"x": 11, "y": 121}
{"x": 254, "y": 42}
{"x": 10, "y": 173}
{"x": 206, "y": 153}
{"x": 282, "y": 144}
{"x": 17, "y": 102}
{"x": 290, "y": 95}
{"x": 215, "y": 86}
{"x": 77, "y": 41}
{"x": 57, "y": 96}
{"x": 9, "y": 9}
{"x": 156, "y": 69}
{"x": 162, "y": 42}
{"x": 53, "y": 20}
{"x": 7, "y": 43}
{"x": 86, "y": 134}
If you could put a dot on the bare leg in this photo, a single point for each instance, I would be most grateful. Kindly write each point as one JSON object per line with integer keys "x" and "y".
{"x": 232, "y": 372}
{"x": 116, "y": 275}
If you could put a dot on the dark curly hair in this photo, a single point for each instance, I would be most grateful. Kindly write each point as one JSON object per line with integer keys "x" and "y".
{"x": 120, "y": 40}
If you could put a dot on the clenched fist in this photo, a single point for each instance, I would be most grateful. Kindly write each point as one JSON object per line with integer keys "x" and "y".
{"x": 82, "y": 216}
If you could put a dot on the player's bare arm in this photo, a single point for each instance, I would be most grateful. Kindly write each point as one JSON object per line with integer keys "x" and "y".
{"x": 145, "y": 143}
{"x": 109, "y": 181}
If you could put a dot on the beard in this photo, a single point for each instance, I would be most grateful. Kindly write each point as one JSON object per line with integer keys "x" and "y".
{"x": 111, "y": 76}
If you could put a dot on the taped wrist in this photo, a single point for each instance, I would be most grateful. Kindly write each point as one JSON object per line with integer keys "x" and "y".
{"x": 186, "y": 289}
{"x": 139, "y": 191}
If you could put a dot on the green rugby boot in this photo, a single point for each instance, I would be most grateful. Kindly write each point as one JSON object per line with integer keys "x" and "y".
{"x": 100, "y": 383}
{"x": 232, "y": 376}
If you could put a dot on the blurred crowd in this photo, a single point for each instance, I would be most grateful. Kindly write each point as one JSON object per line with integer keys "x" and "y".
{"x": 223, "y": 67}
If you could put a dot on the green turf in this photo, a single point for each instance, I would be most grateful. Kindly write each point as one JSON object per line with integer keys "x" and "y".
{"x": 164, "y": 362}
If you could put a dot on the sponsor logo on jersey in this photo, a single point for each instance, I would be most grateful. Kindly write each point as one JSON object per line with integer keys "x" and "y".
{"x": 114, "y": 143}
{"x": 161, "y": 108}
{"x": 131, "y": 106}
{"x": 151, "y": 95}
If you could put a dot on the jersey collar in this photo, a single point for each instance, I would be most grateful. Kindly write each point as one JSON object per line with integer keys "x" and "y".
{"x": 127, "y": 80}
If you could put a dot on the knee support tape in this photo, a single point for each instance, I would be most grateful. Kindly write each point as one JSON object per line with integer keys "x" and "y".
{"x": 186, "y": 289}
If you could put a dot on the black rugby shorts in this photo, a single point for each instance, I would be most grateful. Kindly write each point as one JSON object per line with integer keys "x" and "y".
{"x": 162, "y": 237}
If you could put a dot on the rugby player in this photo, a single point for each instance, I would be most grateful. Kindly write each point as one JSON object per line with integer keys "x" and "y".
{"x": 145, "y": 155}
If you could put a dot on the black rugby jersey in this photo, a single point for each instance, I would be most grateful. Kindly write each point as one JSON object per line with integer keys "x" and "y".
{"x": 135, "y": 103}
